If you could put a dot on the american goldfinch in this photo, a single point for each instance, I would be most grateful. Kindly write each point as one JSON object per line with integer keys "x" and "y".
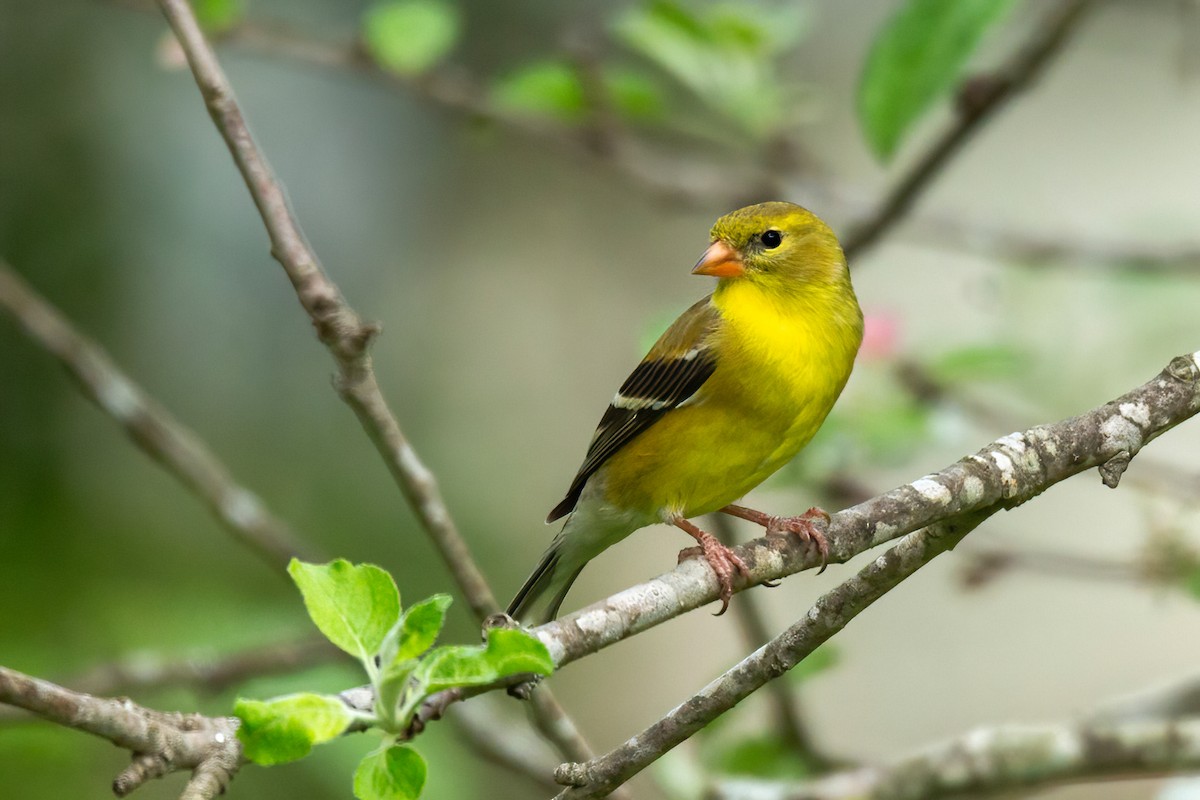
{"x": 729, "y": 394}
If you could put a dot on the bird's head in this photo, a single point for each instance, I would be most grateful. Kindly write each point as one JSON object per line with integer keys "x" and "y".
{"x": 778, "y": 245}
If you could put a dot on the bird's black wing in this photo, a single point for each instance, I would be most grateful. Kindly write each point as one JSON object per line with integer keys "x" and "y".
{"x": 678, "y": 365}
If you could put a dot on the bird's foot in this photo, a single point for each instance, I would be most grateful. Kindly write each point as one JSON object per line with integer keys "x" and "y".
{"x": 723, "y": 561}
{"x": 805, "y": 527}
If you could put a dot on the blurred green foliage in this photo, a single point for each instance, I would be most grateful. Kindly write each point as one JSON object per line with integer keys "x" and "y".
{"x": 542, "y": 88}
{"x": 726, "y": 55}
{"x": 915, "y": 60}
{"x": 979, "y": 362}
{"x": 218, "y": 16}
{"x": 408, "y": 37}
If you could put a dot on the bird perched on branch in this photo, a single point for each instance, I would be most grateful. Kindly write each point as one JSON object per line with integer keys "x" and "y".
{"x": 729, "y": 394}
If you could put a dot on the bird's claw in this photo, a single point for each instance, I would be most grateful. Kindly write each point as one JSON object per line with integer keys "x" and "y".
{"x": 804, "y": 527}
{"x": 723, "y": 562}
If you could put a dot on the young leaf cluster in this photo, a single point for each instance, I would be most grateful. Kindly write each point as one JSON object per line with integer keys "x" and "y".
{"x": 357, "y": 607}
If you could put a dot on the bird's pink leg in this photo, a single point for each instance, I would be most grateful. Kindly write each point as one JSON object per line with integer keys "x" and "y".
{"x": 722, "y": 560}
{"x": 802, "y": 526}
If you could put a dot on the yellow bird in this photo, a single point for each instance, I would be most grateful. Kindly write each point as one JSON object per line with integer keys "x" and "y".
{"x": 728, "y": 395}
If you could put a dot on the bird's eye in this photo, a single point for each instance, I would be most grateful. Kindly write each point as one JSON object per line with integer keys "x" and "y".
{"x": 771, "y": 239}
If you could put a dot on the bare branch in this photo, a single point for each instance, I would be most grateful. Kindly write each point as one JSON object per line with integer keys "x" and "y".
{"x": 784, "y": 703}
{"x": 998, "y": 761}
{"x": 337, "y": 324}
{"x": 979, "y": 99}
{"x": 151, "y": 427}
{"x": 161, "y": 742}
{"x": 832, "y": 612}
{"x": 955, "y": 500}
{"x": 1004, "y": 474}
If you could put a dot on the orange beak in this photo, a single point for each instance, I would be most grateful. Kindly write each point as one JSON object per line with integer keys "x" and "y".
{"x": 720, "y": 261}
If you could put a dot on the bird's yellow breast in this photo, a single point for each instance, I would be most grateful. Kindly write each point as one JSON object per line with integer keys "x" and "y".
{"x": 782, "y": 361}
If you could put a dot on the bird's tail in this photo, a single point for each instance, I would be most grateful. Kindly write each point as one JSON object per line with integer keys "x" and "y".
{"x": 549, "y": 582}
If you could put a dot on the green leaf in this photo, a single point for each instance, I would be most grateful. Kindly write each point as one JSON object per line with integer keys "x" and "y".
{"x": 634, "y": 95}
{"x": 508, "y": 652}
{"x": 390, "y": 773}
{"x": 542, "y": 89}
{"x": 513, "y": 651}
{"x": 979, "y": 362}
{"x": 408, "y": 37}
{"x": 824, "y": 658}
{"x": 915, "y": 59}
{"x": 723, "y": 54}
{"x": 416, "y": 631}
{"x": 218, "y": 16}
{"x": 353, "y": 605}
{"x": 409, "y": 638}
{"x": 286, "y": 728}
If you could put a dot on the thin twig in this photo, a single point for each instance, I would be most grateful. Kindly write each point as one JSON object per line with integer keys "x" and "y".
{"x": 338, "y": 326}
{"x": 784, "y": 703}
{"x": 980, "y": 98}
{"x": 832, "y": 612}
{"x": 161, "y": 742}
{"x": 151, "y": 427}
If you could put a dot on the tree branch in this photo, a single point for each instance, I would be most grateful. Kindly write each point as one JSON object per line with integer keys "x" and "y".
{"x": 1003, "y": 474}
{"x": 151, "y": 427}
{"x": 998, "y": 761}
{"x": 979, "y": 99}
{"x": 162, "y": 743}
{"x": 337, "y": 324}
{"x": 832, "y": 612}
{"x": 790, "y": 724}
{"x": 951, "y": 503}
